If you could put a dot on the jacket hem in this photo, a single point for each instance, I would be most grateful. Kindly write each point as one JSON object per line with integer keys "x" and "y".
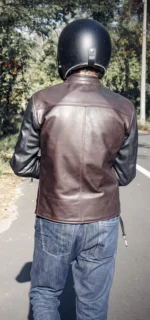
{"x": 76, "y": 222}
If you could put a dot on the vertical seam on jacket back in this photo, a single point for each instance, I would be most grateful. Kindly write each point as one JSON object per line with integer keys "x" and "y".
{"x": 82, "y": 160}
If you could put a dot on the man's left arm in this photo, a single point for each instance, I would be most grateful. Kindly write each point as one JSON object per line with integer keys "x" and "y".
{"x": 25, "y": 161}
{"x": 125, "y": 162}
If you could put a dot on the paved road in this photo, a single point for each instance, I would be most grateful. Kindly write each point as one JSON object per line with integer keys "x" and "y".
{"x": 130, "y": 295}
{"x": 144, "y": 151}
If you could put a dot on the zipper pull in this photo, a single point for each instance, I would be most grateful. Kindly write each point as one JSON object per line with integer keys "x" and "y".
{"x": 125, "y": 240}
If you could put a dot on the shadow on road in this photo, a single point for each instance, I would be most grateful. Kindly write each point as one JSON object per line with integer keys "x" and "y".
{"x": 144, "y": 145}
{"x": 24, "y": 275}
{"x": 141, "y": 134}
{"x": 67, "y": 299}
{"x": 143, "y": 157}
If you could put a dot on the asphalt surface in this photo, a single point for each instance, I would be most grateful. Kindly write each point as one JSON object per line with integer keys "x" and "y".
{"x": 130, "y": 295}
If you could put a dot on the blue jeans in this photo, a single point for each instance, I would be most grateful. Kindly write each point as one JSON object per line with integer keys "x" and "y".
{"x": 91, "y": 249}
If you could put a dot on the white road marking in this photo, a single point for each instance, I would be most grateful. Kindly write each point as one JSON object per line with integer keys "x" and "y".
{"x": 144, "y": 171}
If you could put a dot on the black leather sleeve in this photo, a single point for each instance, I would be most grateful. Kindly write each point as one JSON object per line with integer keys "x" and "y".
{"x": 125, "y": 163}
{"x": 25, "y": 161}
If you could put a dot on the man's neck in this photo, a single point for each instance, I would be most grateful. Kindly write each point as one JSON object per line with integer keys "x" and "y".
{"x": 87, "y": 73}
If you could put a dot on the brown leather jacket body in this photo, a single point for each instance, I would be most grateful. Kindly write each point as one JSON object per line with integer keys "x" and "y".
{"x": 87, "y": 136}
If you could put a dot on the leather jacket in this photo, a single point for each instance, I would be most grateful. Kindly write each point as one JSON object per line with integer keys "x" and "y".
{"x": 88, "y": 138}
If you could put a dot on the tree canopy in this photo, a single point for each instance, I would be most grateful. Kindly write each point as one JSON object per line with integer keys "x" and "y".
{"x": 29, "y": 31}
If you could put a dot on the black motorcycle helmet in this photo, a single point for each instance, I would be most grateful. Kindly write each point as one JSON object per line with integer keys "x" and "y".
{"x": 83, "y": 43}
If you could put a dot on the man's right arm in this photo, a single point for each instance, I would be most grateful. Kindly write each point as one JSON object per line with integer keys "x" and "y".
{"x": 125, "y": 162}
{"x": 25, "y": 161}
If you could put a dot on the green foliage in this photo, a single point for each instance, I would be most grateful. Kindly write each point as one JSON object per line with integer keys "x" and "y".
{"x": 21, "y": 22}
{"x": 29, "y": 31}
{"x": 124, "y": 72}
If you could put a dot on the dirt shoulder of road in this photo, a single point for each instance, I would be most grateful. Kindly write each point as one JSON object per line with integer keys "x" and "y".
{"x": 144, "y": 128}
{"x": 144, "y": 131}
{"x": 9, "y": 192}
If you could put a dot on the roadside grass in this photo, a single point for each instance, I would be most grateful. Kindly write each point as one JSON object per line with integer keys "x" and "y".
{"x": 7, "y": 145}
{"x": 145, "y": 127}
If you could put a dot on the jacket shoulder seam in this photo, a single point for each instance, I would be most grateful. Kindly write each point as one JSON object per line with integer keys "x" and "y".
{"x": 85, "y": 105}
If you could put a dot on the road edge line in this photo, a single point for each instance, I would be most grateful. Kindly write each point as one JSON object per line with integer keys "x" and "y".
{"x": 142, "y": 170}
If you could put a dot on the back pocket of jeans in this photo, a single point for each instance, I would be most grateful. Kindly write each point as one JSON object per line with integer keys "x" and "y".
{"x": 57, "y": 238}
{"x": 108, "y": 237}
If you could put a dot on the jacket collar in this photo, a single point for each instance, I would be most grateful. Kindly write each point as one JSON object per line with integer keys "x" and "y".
{"x": 83, "y": 79}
